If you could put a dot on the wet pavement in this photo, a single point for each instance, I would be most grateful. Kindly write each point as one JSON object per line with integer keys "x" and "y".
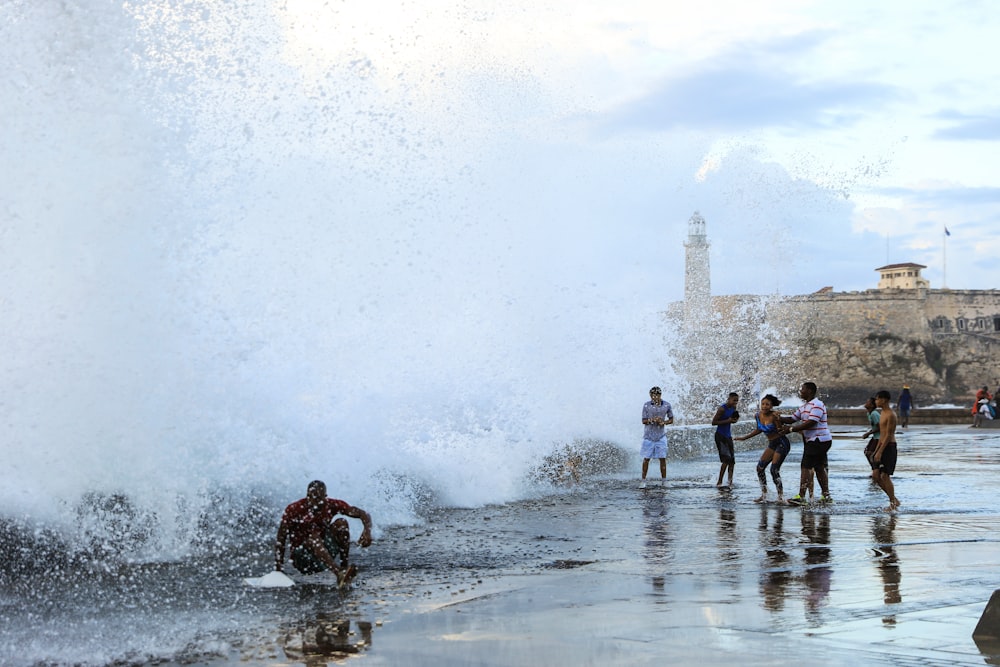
{"x": 600, "y": 573}
{"x": 694, "y": 575}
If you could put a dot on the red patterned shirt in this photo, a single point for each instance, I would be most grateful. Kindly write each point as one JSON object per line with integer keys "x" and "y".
{"x": 301, "y": 518}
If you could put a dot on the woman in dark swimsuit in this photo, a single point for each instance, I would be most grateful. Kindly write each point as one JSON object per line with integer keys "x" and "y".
{"x": 768, "y": 422}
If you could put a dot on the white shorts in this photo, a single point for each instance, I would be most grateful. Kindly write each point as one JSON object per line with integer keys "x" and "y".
{"x": 654, "y": 449}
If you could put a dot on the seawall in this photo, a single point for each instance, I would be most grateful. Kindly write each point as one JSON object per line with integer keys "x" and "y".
{"x": 858, "y": 416}
{"x": 943, "y": 343}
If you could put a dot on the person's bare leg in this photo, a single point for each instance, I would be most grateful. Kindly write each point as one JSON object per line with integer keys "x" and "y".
{"x": 823, "y": 479}
{"x": 885, "y": 483}
{"x": 342, "y": 536}
{"x": 761, "y": 475}
{"x": 776, "y": 476}
{"x": 319, "y": 550}
{"x": 804, "y": 478}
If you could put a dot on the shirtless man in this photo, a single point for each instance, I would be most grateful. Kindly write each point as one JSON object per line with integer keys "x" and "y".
{"x": 884, "y": 457}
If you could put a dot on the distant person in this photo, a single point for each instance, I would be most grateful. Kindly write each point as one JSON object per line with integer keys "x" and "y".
{"x": 905, "y": 404}
{"x": 316, "y": 539}
{"x": 884, "y": 458}
{"x": 778, "y": 446}
{"x": 982, "y": 413}
{"x": 810, "y": 421}
{"x": 983, "y": 397}
{"x": 656, "y": 414}
{"x": 724, "y": 418}
{"x": 980, "y": 395}
{"x": 874, "y": 417}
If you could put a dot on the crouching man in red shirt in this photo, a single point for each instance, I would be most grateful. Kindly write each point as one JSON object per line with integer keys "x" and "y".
{"x": 316, "y": 539}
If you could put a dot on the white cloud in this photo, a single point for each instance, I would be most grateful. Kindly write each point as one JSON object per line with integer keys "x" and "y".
{"x": 820, "y": 111}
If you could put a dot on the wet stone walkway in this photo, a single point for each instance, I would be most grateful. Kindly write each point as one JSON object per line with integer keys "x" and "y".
{"x": 610, "y": 574}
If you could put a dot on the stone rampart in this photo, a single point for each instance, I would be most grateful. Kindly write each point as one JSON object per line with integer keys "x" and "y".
{"x": 944, "y": 344}
{"x": 858, "y": 416}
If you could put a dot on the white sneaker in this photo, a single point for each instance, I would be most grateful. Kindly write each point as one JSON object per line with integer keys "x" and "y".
{"x": 642, "y": 484}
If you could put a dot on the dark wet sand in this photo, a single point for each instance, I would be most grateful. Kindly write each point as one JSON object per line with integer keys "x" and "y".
{"x": 692, "y": 575}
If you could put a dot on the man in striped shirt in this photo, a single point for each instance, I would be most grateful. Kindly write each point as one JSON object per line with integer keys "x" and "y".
{"x": 810, "y": 421}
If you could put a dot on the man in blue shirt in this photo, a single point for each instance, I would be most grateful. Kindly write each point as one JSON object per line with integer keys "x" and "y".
{"x": 905, "y": 404}
{"x": 723, "y": 420}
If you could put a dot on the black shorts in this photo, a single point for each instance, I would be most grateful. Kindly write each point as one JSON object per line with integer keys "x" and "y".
{"x": 725, "y": 447}
{"x": 780, "y": 445}
{"x": 814, "y": 453}
{"x": 888, "y": 462}
{"x": 306, "y": 562}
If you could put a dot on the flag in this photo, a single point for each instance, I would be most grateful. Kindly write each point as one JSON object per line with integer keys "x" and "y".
{"x": 946, "y": 232}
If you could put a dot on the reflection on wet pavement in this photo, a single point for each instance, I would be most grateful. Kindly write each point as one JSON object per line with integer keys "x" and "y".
{"x": 689, "y": 567}
{"x": 318, "y": 641}
{"x": 603, "y": 573}
{"x": 887, "y": 562}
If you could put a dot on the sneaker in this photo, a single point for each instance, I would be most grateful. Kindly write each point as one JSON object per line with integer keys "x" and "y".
{"x": 642, "y": 484}
{"x": 797, "y": 500}
{"x": 826, "y": 500}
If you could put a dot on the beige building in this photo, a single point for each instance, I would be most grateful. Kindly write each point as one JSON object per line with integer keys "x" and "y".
{"x": 902, "y": 276}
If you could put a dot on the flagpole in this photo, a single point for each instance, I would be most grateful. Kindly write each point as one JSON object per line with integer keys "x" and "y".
{"x": 944, "y": 249}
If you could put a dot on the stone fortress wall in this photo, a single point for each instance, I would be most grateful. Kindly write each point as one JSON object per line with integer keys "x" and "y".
{"x": 944, "y": 344}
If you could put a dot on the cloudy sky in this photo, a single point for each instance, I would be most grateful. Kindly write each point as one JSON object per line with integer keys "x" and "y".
{"x": 820, "y": 139}
{"x": 267, "y": 222}
{"x": 565, "y": 141}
